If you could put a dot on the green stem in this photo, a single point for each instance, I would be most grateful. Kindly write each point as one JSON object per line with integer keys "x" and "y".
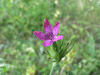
{"x": 53, "y": 64}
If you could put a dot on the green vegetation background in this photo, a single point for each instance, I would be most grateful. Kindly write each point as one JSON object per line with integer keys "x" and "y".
{"x": 21, "y": 53}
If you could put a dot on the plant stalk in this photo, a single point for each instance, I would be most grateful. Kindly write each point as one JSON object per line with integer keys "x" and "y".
{"x": 53, "y": 64}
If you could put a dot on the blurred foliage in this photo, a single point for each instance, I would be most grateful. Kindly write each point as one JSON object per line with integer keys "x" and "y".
{"x": 22, "y": 53}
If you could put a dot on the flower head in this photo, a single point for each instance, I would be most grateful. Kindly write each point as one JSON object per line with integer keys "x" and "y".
{"x": 51, "y": 33}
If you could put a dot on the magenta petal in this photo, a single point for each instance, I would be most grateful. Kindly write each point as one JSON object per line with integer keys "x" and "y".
{"x": 47, "y": 43}
{"x": 56, "y": 28}
{"x": 40, "y": 35}
{"x": 57, "y": 38}
{"x": 47, "y": 26}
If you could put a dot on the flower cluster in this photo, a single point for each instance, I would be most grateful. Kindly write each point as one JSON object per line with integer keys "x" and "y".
{"x": 59, "y": 48}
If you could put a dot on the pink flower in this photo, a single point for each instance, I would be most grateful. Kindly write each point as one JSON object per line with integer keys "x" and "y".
{"x": 51, "y": 33}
